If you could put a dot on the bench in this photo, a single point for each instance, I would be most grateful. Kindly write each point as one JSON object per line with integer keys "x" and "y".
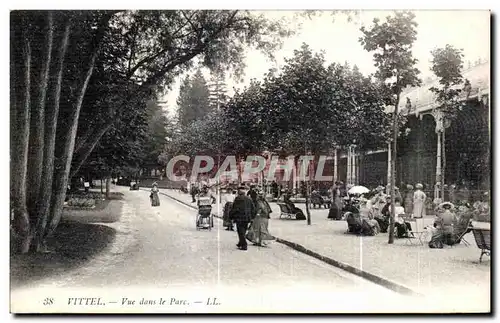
{"x": 483, "y": 240}
{"x": 320, "y": 201}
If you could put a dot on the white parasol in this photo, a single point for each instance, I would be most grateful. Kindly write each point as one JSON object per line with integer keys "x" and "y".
{"x": 358, "y": 190}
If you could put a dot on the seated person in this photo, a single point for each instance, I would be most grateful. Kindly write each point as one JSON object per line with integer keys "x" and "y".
{"x": 383, "y": 213}
{"x": 299, "y": 215}
{"x": 403, "y": 228}
{"x": 444, "y": 232}
{"x": 316, "y": 199}
{"x": 369, "y": 225}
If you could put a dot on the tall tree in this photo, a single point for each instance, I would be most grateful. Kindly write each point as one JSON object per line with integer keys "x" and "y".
{"x": 193, "y": 101}
{"x": 392, "y": 42}
{"x": 134, "y": 54}
{"x": 159, "y": 132}
{"x": 447, "y": 65}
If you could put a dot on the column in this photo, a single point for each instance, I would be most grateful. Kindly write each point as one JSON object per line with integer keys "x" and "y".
{"x": 438, "y": 117}
{"x": 389, "y": 164}
{"x": 335, "y": 166}
{"x": 438, "y": 166}
{"x": 348, "y": 177}
{"x": 354, "y": 167}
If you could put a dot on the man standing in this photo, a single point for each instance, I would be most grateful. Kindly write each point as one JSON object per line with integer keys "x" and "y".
{"x": 242, "y": 212}
{"x": 252, "y": 193}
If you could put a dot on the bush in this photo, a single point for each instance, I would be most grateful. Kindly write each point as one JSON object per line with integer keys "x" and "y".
{"x": 81, "y": 202}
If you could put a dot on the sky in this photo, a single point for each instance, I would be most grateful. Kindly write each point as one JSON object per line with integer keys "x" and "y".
{"x": 468, "y": 30}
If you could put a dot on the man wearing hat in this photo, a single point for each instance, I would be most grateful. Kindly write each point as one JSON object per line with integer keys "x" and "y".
{"x": 242, "y": 213}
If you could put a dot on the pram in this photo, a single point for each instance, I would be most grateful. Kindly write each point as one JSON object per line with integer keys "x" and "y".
{"x": 204, "y": 218}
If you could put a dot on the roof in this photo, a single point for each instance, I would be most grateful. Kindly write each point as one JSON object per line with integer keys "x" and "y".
{"x": 422, "y": 99}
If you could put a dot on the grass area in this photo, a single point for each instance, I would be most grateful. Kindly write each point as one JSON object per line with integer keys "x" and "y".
{"x": 77, "y": 239}
{"x": 106, "y": 211}
{"x": 74, "y": 244}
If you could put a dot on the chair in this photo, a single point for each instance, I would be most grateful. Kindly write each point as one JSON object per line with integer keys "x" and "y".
{"x": 463, "y": 227}
{"x": 418, "y": 230}
{"x": 285, "y": 211}
{"x": 483, "y": 240}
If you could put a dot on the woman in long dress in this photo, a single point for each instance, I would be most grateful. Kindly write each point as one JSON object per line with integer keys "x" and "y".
{"x": 258, "y": 232}
{"x": 408, "y": 202}
{"x": 419, "y": 198}
{"x": 335, "y": 212}
{"x": 155, "y": 199}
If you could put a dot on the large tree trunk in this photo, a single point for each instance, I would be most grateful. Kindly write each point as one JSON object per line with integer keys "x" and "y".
{"x": 61, "y": 175}
{"x": 108, "y": 186}
{"x": 35, "y": 153}
{"x": 20, "y": 85}
{"x": 51, "y": 116}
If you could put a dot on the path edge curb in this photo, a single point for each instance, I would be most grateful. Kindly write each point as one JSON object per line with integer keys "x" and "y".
{"x": 399, "y": 288}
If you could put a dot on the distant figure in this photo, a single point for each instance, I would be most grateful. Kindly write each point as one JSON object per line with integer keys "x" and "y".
{"x": 242, "y": 212}
{"x": 258, "y": 232}
{"x": 299, "y": 213}
{"x": 252, "y": 193}
{"x": 227, "y": 223}
{"x": 275, "y": 189}
{"x": 335, "y": 212}
{"x": 419, "y": 198}
{"x": 194, "y": 192}
{"x": 403, "y": 228}
{"x": 408, "y": 202}
{"x": 155, "y": 198}
{"x": 452, "y": 194}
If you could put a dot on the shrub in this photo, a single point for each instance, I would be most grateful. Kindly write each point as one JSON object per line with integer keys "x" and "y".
{"x": 81, "y": 202}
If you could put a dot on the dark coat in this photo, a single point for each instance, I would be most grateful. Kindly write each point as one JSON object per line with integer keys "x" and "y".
{"x": 243, "y": 209}
{"x": 253, "y": 194}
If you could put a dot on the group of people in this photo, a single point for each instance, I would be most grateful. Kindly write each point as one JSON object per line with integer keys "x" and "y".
{"x": 369, "y": 214}
{"x": 455, "y": 220}
{"x": 250, "y": 212}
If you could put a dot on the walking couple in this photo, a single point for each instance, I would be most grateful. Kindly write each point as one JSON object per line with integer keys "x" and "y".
{"x": 252, "y": 215}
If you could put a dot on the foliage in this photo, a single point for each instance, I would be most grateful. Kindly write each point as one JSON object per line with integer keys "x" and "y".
{"x": 447, "y": 65}
{"x": 81, "y": 75}
{"x": 391, "y": 42}
{"x": 193, "y": 101}
{"x": 81, "y": 202}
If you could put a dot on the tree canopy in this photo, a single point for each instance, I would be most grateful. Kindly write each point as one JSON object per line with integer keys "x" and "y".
{"x": 76, "y": 74}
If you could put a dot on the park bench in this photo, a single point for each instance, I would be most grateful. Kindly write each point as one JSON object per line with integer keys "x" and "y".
{"x": 483, "y": 240}
{"x": 320, "y": 201}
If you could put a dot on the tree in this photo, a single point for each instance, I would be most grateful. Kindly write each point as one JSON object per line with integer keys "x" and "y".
{"x": 391, "y": 43}
{"x": 447, "y": 65}
{"x": 150, "y": 59}
{"x": 304, "y": 107}
{"x": 159, "y": 132}
{"x": 125, "y": 144}
{"x": 39, "y": 74}
{"x": 193, "y": 101}
{"x": 134, "y": 53}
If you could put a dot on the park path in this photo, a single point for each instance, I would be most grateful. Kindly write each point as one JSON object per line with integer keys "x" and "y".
{"x": 170, "y": 255}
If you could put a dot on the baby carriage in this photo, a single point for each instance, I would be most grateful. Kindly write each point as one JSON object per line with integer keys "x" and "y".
{"x": 204, "y": 218}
